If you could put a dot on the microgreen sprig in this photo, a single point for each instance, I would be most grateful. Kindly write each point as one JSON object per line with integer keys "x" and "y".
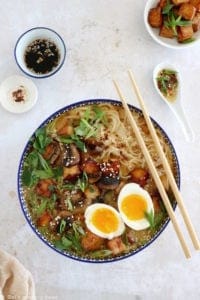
{"x": 167, "y": 8}
{"x": 173, "y": 21}
{"x": 150, "y": 218}
{"x": 90, "y": 122}
{"x": 164, "y": 80}
{"x": 80, "y": 184}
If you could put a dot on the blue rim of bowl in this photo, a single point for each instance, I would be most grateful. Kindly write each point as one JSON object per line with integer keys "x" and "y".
{"x": 46, "y": 75}
{"x": 23, "y": 202}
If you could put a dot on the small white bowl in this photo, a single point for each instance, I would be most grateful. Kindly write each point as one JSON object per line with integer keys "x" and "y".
{"x": 38, "y": 33}
{"x": 18, "y": 94}
{"x": 166, "y": 42}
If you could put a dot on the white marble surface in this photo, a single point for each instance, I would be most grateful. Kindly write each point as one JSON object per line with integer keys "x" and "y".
{"x": 104, "y": 38}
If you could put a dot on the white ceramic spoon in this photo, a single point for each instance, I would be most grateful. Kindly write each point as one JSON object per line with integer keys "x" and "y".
{"x": 175, "y": 105}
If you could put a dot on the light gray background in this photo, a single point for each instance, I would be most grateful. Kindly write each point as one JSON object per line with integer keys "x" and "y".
{"x": 104, "y": 38}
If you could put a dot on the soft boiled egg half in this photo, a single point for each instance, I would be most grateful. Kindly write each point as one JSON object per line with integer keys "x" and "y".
{"x": 134, "y": 204}
{"x": 104, "y": 221}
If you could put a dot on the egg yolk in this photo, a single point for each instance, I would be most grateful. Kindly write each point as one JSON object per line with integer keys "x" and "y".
{"x": 105, "y": 220}
{"x": 134, "y": 207}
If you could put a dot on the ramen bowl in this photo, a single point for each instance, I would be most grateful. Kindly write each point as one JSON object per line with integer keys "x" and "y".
{"x": 75, "y": 166}
{"x": 40, "y": 52}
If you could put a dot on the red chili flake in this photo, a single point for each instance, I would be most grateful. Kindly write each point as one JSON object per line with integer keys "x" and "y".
{"x": 19, "y": 94}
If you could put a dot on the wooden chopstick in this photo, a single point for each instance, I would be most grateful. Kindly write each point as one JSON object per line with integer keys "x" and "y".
{"x": 177, "y": 194}
{"x": 154, "y": 173}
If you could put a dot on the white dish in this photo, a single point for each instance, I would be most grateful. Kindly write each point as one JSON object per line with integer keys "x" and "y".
{"x": 166, "y": 42}
{"x": 176, "y": 104}
{"x": 10, "y": 90}
{"x": 39, "y": 33}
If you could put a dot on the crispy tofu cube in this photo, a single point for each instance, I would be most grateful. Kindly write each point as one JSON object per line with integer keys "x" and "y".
{"x": 187, "y": 11}
{"x": 178, "y": 2}
{"x": 155, "y": 18}
{"x": 162, "y": 3}
{"x": 91, "y": 241}
{"x": 196, "y": 4}
{"x": 196, "y": 22}
{"x": 185, "y": 33}
{"x": 166, "y": 32}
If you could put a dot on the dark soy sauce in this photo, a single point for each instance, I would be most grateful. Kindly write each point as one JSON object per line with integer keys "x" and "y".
{"x": 42, "y": 56}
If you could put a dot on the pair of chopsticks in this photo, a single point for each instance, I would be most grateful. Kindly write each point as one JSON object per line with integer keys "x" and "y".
{"x": 152, "y": 168}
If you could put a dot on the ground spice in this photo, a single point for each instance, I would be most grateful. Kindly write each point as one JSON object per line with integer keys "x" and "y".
{"x": 19, "y": 94}
{"x": 42, "y": 56}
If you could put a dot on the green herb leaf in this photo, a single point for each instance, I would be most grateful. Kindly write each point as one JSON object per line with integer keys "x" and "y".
{"x": 54, "y": 197}
{"x": 27, "y": 178}
{"x": 183, "y": 22}
{"x": 87, "y": 114}
{"x": 57, "y": 172}
{"x": 99, "y": 114}
{"x": 167, "y": 8}
{"x": 66, "y": 242}
{"x": 62, "y": 226}
{"x": 69, "y": 204}
{"x": 72, "y": 239}
{"x": 43, "y": 163}
{"x": 32, "y": 160}
{"x": 59, "y": 245}
{"x": 89, "y": 124}
{"x": 76, "y": 243}
{"x": 42, "y": 207}
{"x": 69, "y": 186}
{"x": 191, "y": 40}
{"x": 173, "y": 21}
{"x": 101, "y": 253}
{"x": 41, "y": 139}
{"x": 78, "y": 230}
{"x": 150, "y": 218}
{"x": 46, "y": 172}
{"x": 82, "y": 183}
{"x": 76, "y": 140}
{"x": 167, "y": 81}
{"x": 169, "y": 72}
{"x": 42, "y": 174}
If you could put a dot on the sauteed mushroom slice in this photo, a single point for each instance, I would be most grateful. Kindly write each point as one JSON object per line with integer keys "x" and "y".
{"x": 108, "y": 183}
{"x": 110, "y": 175}
{"x": 94, "y": 146}
{"x": 71, "y": 155}
{"x": 92, "y": 192}
{"x": 53, "y": 152}
{"x": 71, "y": 173}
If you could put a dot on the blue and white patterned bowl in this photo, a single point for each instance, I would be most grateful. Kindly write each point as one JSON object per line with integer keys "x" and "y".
{"x": 24, "y": 204}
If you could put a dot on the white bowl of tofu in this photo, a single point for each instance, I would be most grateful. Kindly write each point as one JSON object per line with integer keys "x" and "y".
{"x": 173, "y": 23}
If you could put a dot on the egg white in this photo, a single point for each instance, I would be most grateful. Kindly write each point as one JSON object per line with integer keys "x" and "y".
{"x": 88, "y": 220}
{"x": 129, "y": 189}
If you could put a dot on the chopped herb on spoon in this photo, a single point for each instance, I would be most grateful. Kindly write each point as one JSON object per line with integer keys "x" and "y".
{"x": 167, "y": 82}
